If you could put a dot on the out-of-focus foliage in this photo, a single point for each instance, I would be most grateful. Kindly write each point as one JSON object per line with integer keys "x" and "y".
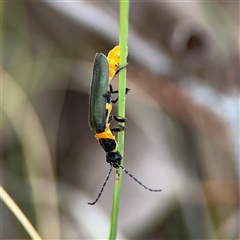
{"x": 183, "y": 119}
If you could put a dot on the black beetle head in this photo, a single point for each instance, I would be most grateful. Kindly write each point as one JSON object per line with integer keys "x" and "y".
{"x": 114, "y": 158}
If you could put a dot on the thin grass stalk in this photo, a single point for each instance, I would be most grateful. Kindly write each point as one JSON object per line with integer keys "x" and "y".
{"x": 123, "y": 40}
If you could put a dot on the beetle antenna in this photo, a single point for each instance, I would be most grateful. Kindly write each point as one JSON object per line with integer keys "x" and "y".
{"x": 103, "y": 186}
{"x": 136, "y": 180}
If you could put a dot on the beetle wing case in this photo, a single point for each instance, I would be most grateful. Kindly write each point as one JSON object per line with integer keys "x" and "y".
{"x": 98, "y": 92}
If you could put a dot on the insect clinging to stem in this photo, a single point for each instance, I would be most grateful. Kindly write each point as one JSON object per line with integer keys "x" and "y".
{"x": 100, "y": 107}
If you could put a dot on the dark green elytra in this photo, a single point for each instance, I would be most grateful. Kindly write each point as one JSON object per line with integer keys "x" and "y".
{"x": 98, "y": 92}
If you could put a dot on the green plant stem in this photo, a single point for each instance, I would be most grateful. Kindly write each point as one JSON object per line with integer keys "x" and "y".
{"x": 123, "y": 39}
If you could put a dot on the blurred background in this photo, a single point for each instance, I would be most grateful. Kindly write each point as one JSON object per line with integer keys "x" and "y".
{"x": 182, "y": 132}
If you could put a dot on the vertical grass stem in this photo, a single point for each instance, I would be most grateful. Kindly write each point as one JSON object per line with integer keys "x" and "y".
{"x": 123, "y": 40}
